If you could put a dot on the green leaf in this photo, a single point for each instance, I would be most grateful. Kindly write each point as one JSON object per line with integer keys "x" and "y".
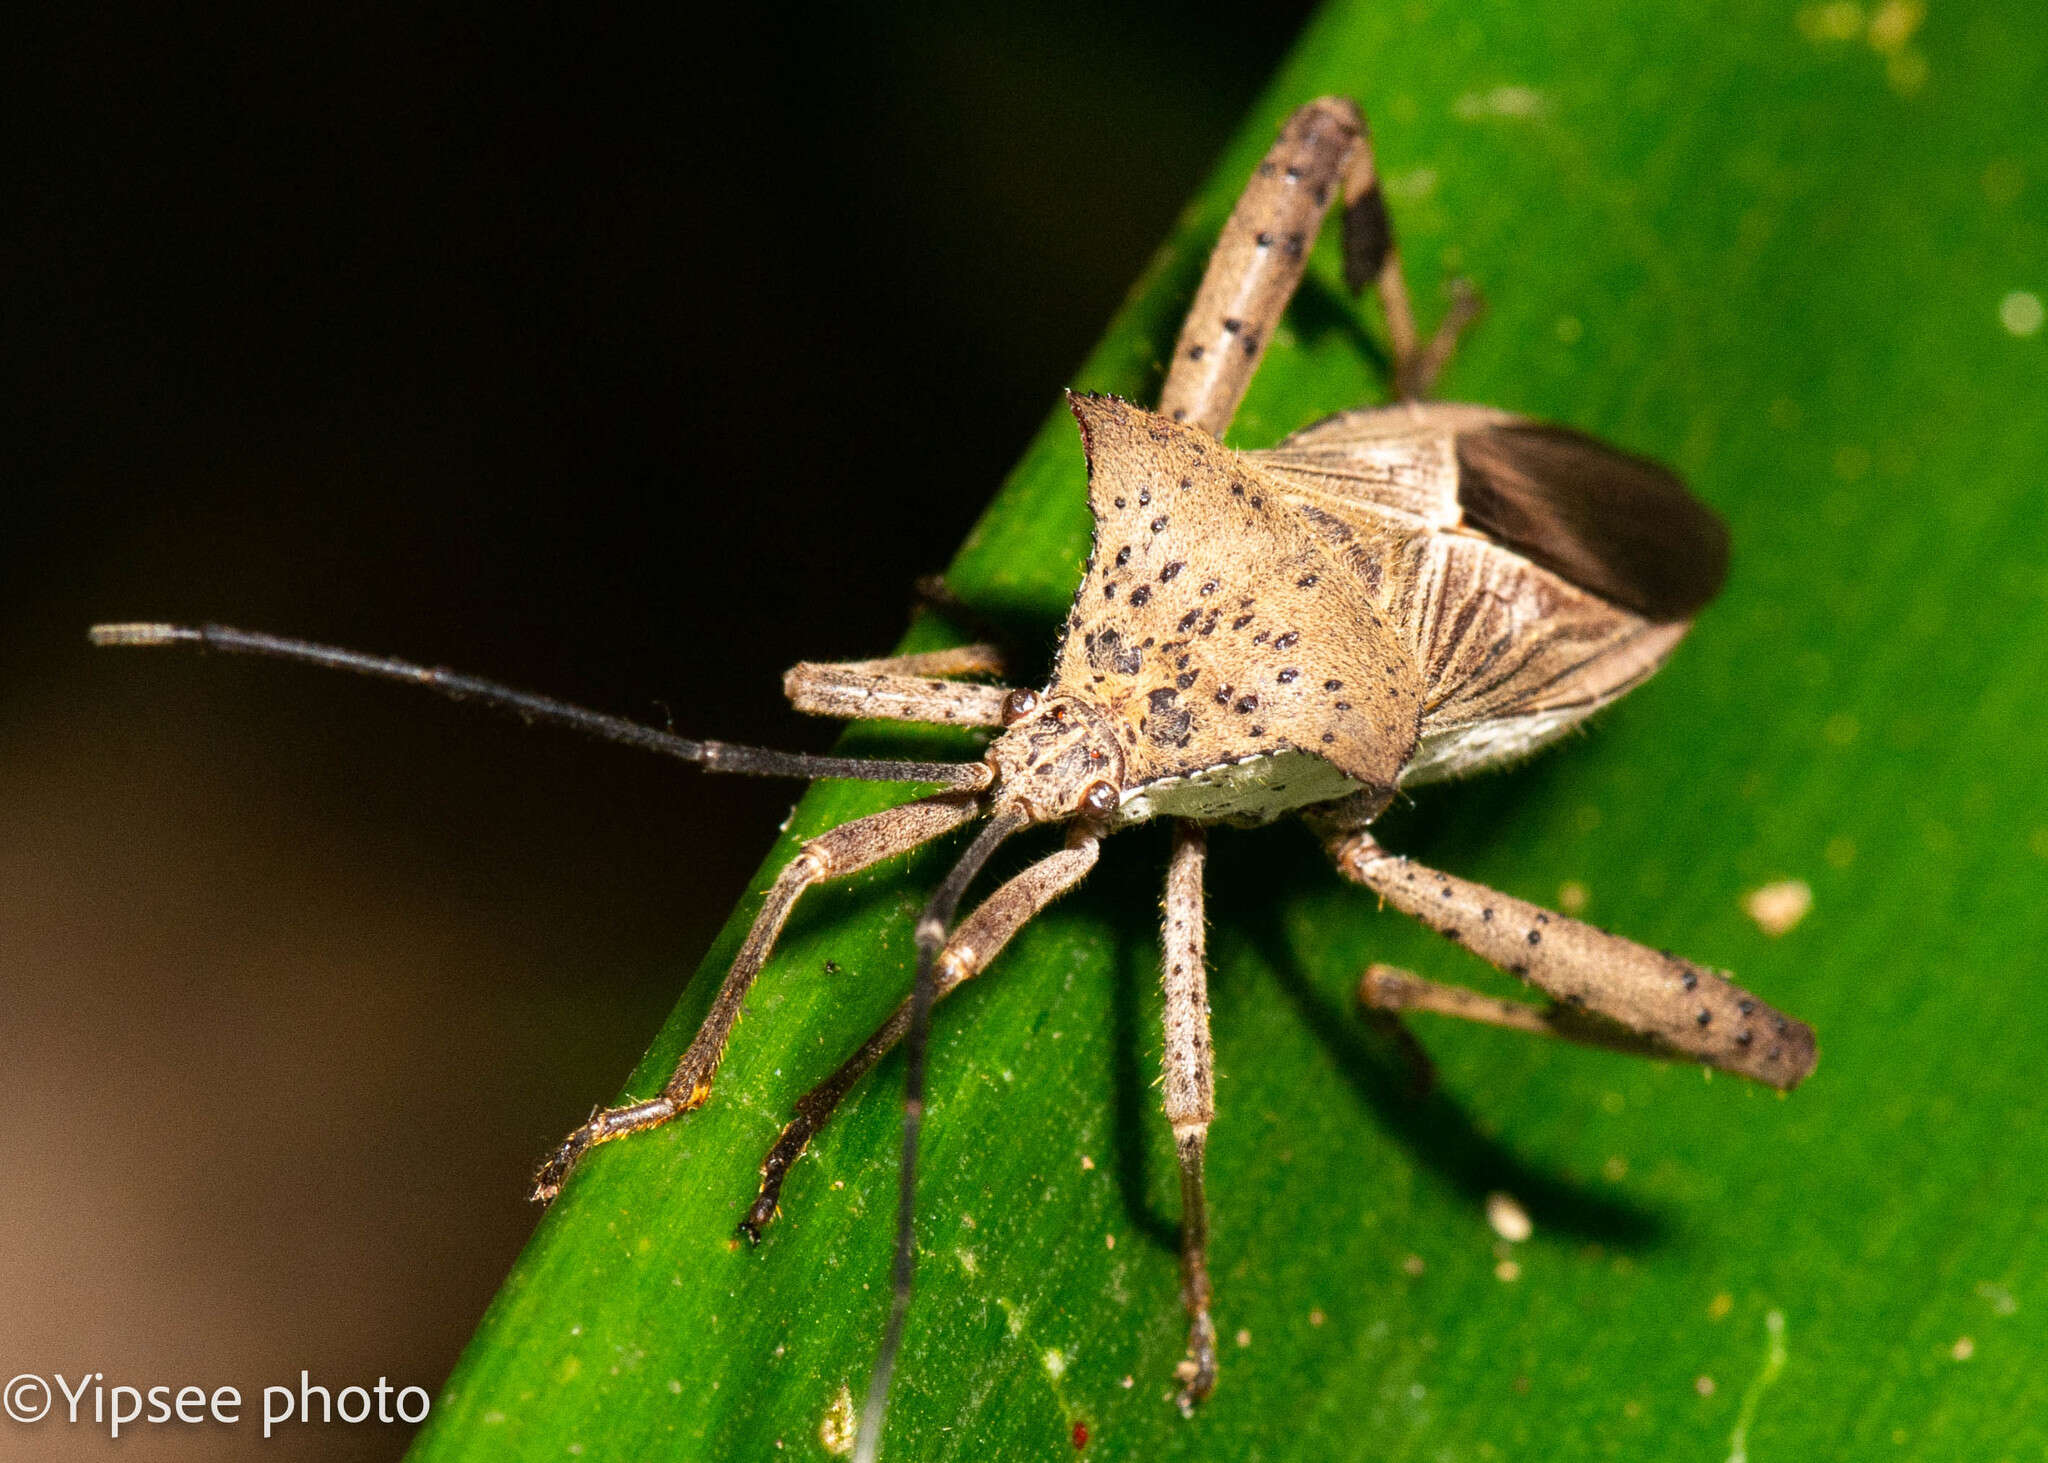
{"x": 1796, "y": 251}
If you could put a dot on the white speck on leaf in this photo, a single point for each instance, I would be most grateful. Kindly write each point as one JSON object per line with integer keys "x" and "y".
{"x": 1778, "y": 908}
{"x": 1507, "y": 1216}
{"x": 2021, "y": 313}
{"x": 1522, "y": 103}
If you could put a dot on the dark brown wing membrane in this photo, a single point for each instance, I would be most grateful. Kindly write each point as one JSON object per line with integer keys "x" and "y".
{"x": 1619, "y": 526}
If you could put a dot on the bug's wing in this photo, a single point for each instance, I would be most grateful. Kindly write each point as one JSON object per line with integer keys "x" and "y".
{"x": 1536, "y": 572}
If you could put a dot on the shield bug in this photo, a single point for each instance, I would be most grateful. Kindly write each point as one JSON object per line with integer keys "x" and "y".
{"x": 1389, "y": 597}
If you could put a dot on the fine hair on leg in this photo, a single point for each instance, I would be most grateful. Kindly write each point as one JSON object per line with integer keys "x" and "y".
{"x": 903, "y": 687}
{"x": 1189, "y": 1069}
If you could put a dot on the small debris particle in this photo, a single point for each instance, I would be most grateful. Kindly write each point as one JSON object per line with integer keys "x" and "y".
{"x": 1087, "y": 1164}
{"x": 1055, "y": 1362}
{"x": 1413, "y": 1265}
{"x": 1778, "y": 908}
{"x": 1127, "y": 1383}
{"x": 1703, "y": 1385}
{"x": 1244, "y": 1339}
{"x": 1572, "y": 897}
{"x": 1964, "y": 1349}
{"x": 1507, "y": 1216}
{"x": 1507, "y": 1272}
{"x": 1080, "y": 1436}
{"x": 967, "y": 1221}
{"x": 1836, "y": 20}
{"x": 836, "y": 1430}
{"x": 675, "y": 1387}
{"x": 1615, "y": 1169}
{"x": 1519, "y": 102}
{"x": 1316, "y": 1318}
{"x": 1719, "y": 1307}
{"x": 1109, "y": 1241}
{"x": 2021, "y": 312}
{"x": 839, "y": 1183}
{"x": 1892, "y": 25}
{"x": 2001, "y": 1299}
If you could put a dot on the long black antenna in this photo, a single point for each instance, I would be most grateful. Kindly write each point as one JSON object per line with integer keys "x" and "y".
{"x": 711, "y": 756}
{"x": 932, "y": 926}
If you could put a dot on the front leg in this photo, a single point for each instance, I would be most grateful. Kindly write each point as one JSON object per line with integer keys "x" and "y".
{"x": 978, "y": 940}
{"x": 903, "y": 688}
{"x": 1689, "y": 1010}
{"x": 833, "y": 854}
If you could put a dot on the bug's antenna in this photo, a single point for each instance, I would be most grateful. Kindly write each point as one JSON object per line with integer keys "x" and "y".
{"x": 711, "y": 756}
{"x": 931, "y": 938}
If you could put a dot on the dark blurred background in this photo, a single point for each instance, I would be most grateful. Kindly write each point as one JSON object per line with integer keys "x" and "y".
{"x": 628, "y": 364}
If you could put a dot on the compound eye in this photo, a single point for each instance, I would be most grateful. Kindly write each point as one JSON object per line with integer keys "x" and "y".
{"x": 1018, "y": 705}
{"x": 1100, "y": 797}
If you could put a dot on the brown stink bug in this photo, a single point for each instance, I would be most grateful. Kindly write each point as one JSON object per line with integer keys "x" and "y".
{"x": 1389, "y": 597}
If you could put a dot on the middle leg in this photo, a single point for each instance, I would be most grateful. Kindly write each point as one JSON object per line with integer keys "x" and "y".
{"x": 1190, "y": 1071}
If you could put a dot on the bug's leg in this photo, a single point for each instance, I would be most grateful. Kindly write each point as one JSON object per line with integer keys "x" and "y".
{"x": 966, "y": 954}
{"x": 1372, "y": 256}
{"x": 1687, "y": 1009}
{"x": 1259, "y": 258}
{"x": 840, "y": 851}
{"x": 903, "y": 687}
{"x": 1388, "y": 991}
{"x": 1190, "y": 1071}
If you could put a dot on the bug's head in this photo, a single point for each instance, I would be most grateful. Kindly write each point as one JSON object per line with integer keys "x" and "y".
{"x": 1058, "y": 760}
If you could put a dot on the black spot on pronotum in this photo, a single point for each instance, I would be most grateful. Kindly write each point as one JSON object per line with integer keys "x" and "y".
{"x": 1141, "y": 596}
